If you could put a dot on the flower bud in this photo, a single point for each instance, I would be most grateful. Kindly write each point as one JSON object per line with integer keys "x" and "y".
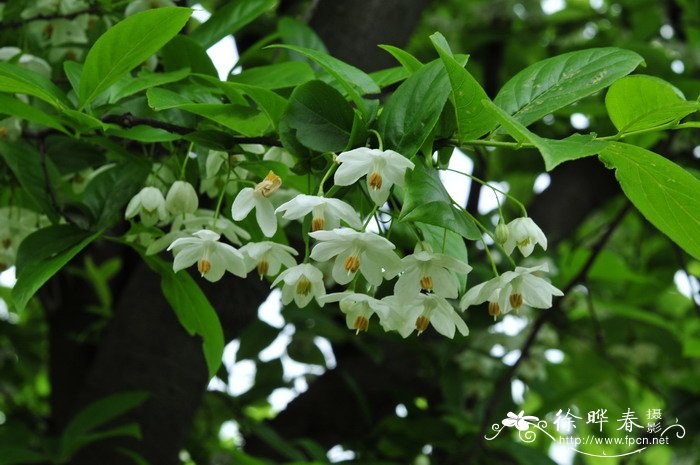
{"x": 501, "y": 233}
{"x": 181, "y": 198}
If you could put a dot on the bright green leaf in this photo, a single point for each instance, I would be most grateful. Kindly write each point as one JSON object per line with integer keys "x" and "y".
{"x": 14, "y": 107}
{"x": 408, "y": 61}
{"x": 143, "y": 81}
{"x": 665, "y": 193}
{"x": 276, "y": 76}
{"x": 14, "y": 79}
{"x": 642, "y": 102}
{"x": 556, "y": 82}
{"x": 126, "y": 45}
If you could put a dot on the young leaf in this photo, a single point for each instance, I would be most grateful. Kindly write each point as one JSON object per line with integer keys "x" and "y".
{"x": 665, "y": 193}
{"x": 323, "y": 120}
{"x": 42, "y": 254}
{"x": 229, "y": 19}
{"x": 472, "y": 120}
{"x": 412, "y": 112}
{"x": 193, "y": 310}
{"x": 14, "y": 79}
{"x": 427, "y": 201}
{"x": 389, "y": 76}
{"x": 126, "y": 45}
{"x": 556, "y": 82}
{"x": 554, "y": 152}
{"x": 643, "y": 102}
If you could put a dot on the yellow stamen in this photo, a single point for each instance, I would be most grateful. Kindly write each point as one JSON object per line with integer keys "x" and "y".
{"x": 203, "y": 266}
{"x": 516, "y": 300}
{"x": 270, "y": 184}
{"x": 352, "y": 263}
{"x": 426, "y": 283}
{"x": 524, "y": 242}
{"x": 375, "y": 180}
{"x": 494, "y": 309}
{"x": 3, "y": 133}
{"x": 318, "y": 224}
{"x": 3, "y": 267}
{"x": 361, "y": 324}
{"x": 303, "y": 286}
{"x": 263, "y": 266}
{"x": 6, "y": 243}
{"x": 422, "y": 323}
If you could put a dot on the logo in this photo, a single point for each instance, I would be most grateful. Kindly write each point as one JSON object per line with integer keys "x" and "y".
{"x": 628, "y": 436}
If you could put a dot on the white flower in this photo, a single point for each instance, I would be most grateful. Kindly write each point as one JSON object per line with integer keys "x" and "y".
{"x": 249, "y": 198}
{"x": 149, "y": 204}
{"x": 369, "y": 253}
{"x": 428, "y": 271}
{"x": 511, "y": 290}
{"x": 327, "y": 212}
{"x": 10, "y": 128}
{"x": 213, "y": 258}
{"x": 181, "y": 198}
{"x": 280, "y": 155}
{"x": 301, "y": 284}
{"x": 417, "y": 312}
{"x": 520, "y": 421}
{"x": 268, "y": 257}
{"x": 358, "y": 308}
{"x": 383, "y": 170}
{"x": 524, "y": 233}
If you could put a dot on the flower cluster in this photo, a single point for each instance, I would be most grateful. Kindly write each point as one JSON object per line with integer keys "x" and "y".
{"x": 340, "y": 250}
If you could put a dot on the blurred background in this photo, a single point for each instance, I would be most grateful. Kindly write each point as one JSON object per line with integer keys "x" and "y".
{"x": 296, "y": 385}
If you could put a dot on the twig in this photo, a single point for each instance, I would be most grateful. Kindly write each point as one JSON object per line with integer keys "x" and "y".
{"x": 504, "y": 381}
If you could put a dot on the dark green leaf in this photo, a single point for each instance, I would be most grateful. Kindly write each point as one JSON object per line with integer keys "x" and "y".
{"x": 556, "y": 82}
{"x": 14, "y": 107}
{"x": 665, "y": 193}
{"x": 426, "y": 200}
{"x": 254, "y": 338}
{"x": 323, "y": 120}
{"x": 126, "y": 45}
{"x": 412, "y": 112}
{"x": 276, "y": 76}
{"x": 143, "y": 81}
{"x": 42, "y": 254}
{"x": 183, "y": 52}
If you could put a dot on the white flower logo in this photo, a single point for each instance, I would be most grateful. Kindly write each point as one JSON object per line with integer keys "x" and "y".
{"x": 520, "y": 421}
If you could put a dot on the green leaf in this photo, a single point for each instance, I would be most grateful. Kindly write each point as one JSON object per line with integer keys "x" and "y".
{"x": 445, "y": 241}
{"x": 229, "y": 19}
{"x": 126, "y": 45}
{"x": 408, "y": 61}
{"x": 272, "y": 104}
{"x": 472, "y": 121}
{"x": 354, "y": 81}
{"x": 277, "y": 76}
{"x": 15, "y": 79}
{"x": 412, "y": 112}
{"x": 81, "y": 429}
{"x": 18, "y": 455}
{"x": 556, "y": 82}
{"x": 14, "y": 107}
{"x": 303, "y": 349}
{"x": 643, "y": 102}
{"x": 554, "y": 152}
{"x": 143, "y": 81}
{"x": 240, "y": 118}
{"x": 183, "y": 52}
{"x": 427, "y": 201}
{"x": 193, "y": 310}
{"x": 143, "y": 133}
{"x": 665, "y": 193}
{"x": 25, "y": 162}
{"x": 323, "y": 120}
{"x": 389, "y": 76}
{"x": 42, "y": 254}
